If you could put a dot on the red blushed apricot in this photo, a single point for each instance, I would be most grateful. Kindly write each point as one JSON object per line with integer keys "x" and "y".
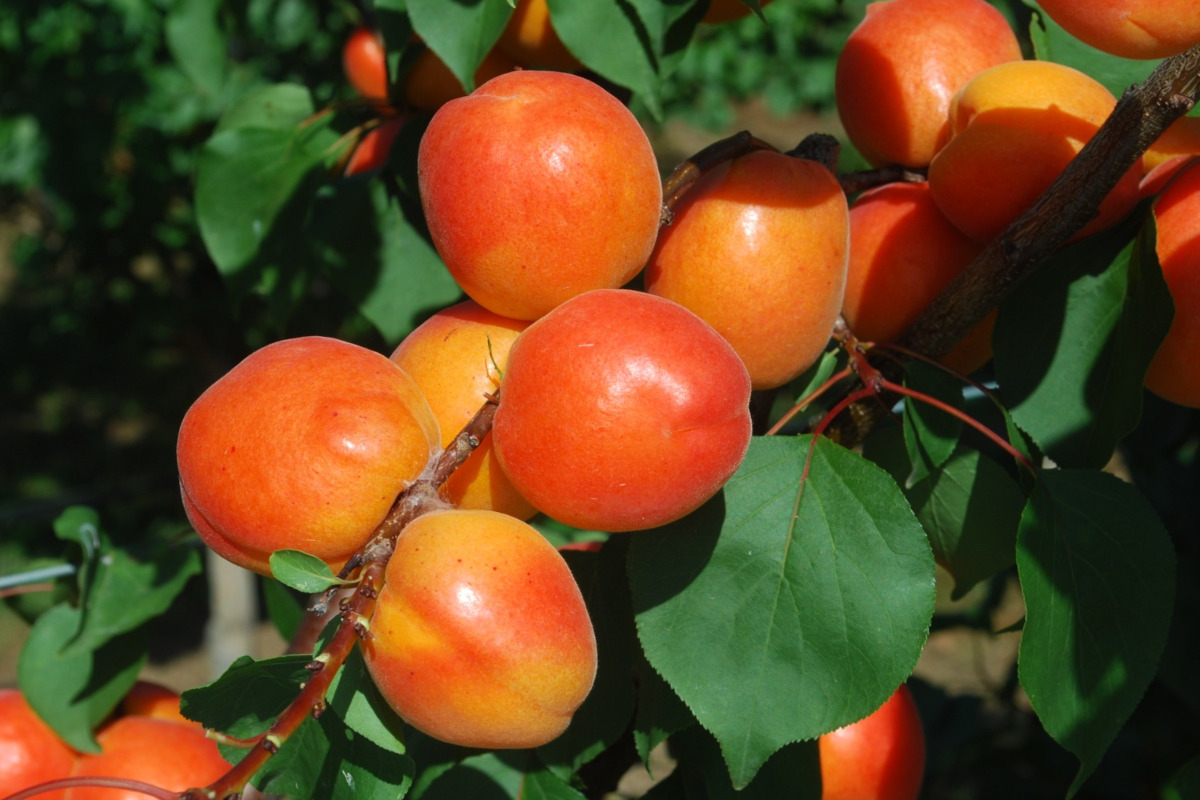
{"x": 480, "y": 635}
{"x": 538, "y": 186}
{"x": 167, "y": 754}
{"x": 530, "y": 40}
{"x": 365, "y": 64}
{"x": 303, "y": 445}
{"x": 30, "y": 751}
{"x": 758, "y": 249}
{"x": 1014, "y": 128}
{"x": 1174, "y": 373}
{"x": 620, "y": 411}
{"x": 903, "y": 253}
{"x": 1129, "y": 28}
{"x": 456, "y": 358}
{"x": 902, "y": 64}
{"x": 372, "y": 152}
{"x": 1181, "y": 138}
{"x": 881, "y": 757}
{"x": 429, "y": 83}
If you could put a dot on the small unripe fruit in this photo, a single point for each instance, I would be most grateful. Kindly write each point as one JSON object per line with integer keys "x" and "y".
{"x": 480, "y": 635}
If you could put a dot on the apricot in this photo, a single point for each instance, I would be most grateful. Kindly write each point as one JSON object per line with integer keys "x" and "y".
{"x": 150, "y": 699}
{"x": 538, "y": 186}
{"x": 758, "y": 250}
{"x": 305, "y": 445}
{"x": 30, "y": 751}
{"x": 167, "y": 754}
{"x": 456, "y": 358}
{"x": 881, "y": 757}
{"x": 530, "y": 40}
{"x": 719, "y": 11}
{"x": 620, "y": 411}
{"x": 365, "y": 64}
{"x": 429, "y": 84}
{"x": 480, "y": 635}
{"x": 903, "y": 253}
{"x": 902, "y": 64}
{"x": 1174, "y": 373}
{"x": 376, "y": 145}
{"x": 1181, "y": 138}
{"x": 1129, "y": 28}
{"x": 1014, "y": 128}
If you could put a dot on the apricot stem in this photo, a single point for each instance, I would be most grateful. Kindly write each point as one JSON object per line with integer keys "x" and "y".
{"x": 808, "y": 399}
{"x": 686, "y": 174}
{"x": 855, "y": 182}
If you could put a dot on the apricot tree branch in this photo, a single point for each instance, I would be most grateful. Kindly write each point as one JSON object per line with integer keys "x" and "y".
{"x": 686, "y": 174}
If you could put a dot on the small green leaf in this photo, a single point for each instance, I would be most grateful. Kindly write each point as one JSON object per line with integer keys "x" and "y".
{"x": 354, "y": 698}
{"x": 303, "y": 572}
{"x": 283, "y": 609}
{"x": 197, "y": 43}
{"x": 1098, "y": 573}
{"x": 245, "y": 700}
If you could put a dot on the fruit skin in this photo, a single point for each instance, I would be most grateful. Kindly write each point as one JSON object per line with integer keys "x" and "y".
{"x": 758, "y": 249}
{"x": 429, "y": 84}
{"x": 149, "y": 699}
{"x": 456, "y": 358}
{"x": 156, "y": 751}
{"x": 621, "y": 411}
{"x": 373, "y": 150}
{"x": 1181, "y": 138}
{"x": 902, "y": 64}
{"x": 305, "y": 445}
{"x": 1129, "y": 28}
{"x": 903, "y": 253}
{"x": 530, "y": 40}
{"x": 480, "y": 635}
{"x": 881, "y": 757}
{"x": 30, "y": 751}
{"x": 1174, "y": 373}
{"x": 365, "y": 64}
{"x": 1014, "y": 128}
{"x": 538, "y": 186}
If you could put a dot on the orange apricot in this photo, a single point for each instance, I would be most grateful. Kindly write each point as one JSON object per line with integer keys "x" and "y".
{"x": 621, "y": 411}
{"x": 480, "y": 635}
{"x": 1181, "y": 138}
{"x": 538, "y": 186}
{"x": 881, "y": 757}
{"x": 376, "y": 145}
{"x": 365, "y": 64}
{"x": 150, "y": 699}
{"x": 429, "y": 84}
{"x": 1174, "y": 373}
{"x": 757, "y": 249}
{"x": 30, "y": 751}
{"x": 903, "y": 253}
{"x": 1014, "y": 128}
{"x": 160, "y": 752}
{"x": 1129, "y": 28}
{"x": 899, "y": 68}
{"x": 456, "y": 358}
{"x": 305, "y": 445}
{"x": 530, "y": 40}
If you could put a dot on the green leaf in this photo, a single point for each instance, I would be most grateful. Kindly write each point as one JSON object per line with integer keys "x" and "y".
{"x": 1184, "y": 784}
{"x": 793, "y": 772}
{"x": 487, "y": 776}
{"x": 930, "y": 433}
{"x": 787, "y": 606}
{"x": 283, "y": 609}
{"x": 356, "y": 701}
{"x": 461, "y": 33}
{"x": 74, "y": 692}
{"x": 303, "y": 572}
{"x": 1098, "y": 573}
{"x": 660, "y": 712}
{"x": 81, "y": 525}
{"x": 197, "y": 43}
{"x": 1052, "y": 43}
{"x": 1073, "y": 342}
{"x": 245, "y": 700}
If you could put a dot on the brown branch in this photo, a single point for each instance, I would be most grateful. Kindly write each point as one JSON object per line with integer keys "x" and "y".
{"x": 855, "y": 182}
{"x": 1139, "y": 118}
{"x": 686, "y": 174}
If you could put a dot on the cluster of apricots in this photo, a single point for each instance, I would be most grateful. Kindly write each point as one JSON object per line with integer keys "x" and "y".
{"x": 146, "y": 740}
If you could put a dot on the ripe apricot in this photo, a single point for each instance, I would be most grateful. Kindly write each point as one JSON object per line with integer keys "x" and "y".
{"x": 167, "y": 754}
{"x": 372, "y": 152}
{"x": 1129, "y": 28}
{"x": 305, "y": 444}
{"x": 881, "y": 757}
{"x": 902, "y": 64}
{"x": 903, "y": 253}
{"x": 456, "y": 358}
{"x": 365, "y": 64}
{"x": 758, "y": 250}
{"x": 1174, "y": 373}
{"x": 30, "y": 751}
{"x": 530, "y": 40}
{"x": 429, "y": 84}
{"x": 538, "y": 186}
{"x": 1014, "y": 128}
{"x": 1181, "y": 138}
{"x": 150, "y": 699}
{"x": 480, "y": 635}
{"x": 620, "y": 411}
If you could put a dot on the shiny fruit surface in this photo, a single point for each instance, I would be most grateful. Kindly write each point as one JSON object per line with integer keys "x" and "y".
{"x": 365, "y": 64}
{"x": 480, "y": 635}
{"x": 1129, "y": 28}
{"x": 621, "y": 411}
{"x": 538, "y": 186}
{"x": 303, "y": 445}
{"x": 30, "y": 751}
{"x": 758, "y": 249}
{"x": 881, "y": 757}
